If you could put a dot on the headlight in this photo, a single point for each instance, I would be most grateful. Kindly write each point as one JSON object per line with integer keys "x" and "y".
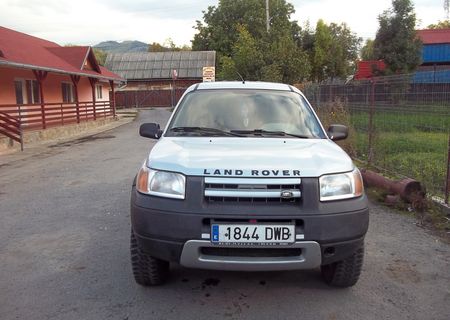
{"x": 341, "y": 186}
{"x": 161, "y": 183}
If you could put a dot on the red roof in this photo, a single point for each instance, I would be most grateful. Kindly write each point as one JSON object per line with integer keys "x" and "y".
{"x": 434, "y": 36}
{"x": 22, "y": 50}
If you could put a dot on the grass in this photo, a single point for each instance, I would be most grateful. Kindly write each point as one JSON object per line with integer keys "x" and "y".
{"x": 407, "y": 144}
{"x": 409, "y": 141}
{"x": 402, "y": 121}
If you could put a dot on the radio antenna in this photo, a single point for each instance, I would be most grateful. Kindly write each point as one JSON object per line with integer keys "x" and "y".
{"x": 240, "y": 76}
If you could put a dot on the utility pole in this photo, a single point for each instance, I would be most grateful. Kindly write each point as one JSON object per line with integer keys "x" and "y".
{"x": 267, "y": 16}
{"x": 446, "y": 7}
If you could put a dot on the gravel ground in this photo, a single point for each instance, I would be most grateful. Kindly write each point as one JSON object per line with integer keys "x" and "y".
{"x": 64, "y": 251}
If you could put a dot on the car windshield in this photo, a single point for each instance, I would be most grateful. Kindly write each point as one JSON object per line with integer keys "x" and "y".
{"x": 266, "y": 113}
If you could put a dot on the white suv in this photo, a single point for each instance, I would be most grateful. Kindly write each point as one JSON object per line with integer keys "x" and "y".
{"x": 244, "y": 177}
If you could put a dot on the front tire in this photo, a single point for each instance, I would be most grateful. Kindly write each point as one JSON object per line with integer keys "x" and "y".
{"x": 344, "y": 273}
{"x": 147, "y": 270}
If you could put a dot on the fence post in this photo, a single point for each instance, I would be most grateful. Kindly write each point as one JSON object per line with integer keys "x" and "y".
{"x": 75, "y": 80}
{"x": 20, "y": 128}
{"x": 62, "y": 114}
{"x": 447, "y": 183}
{"x": 371, "y": 126}
{"x": 93, "y": 82}
{"x": 113, "y": 98}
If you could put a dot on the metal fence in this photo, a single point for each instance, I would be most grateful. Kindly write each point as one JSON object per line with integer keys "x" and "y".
{"x": 400, "y": 124}
{"x": 148, "y": 98}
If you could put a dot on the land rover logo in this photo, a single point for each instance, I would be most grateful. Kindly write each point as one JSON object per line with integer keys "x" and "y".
{"x": 286, "y": 194}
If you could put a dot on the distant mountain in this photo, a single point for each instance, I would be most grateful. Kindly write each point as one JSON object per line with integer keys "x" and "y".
{"x": 120, "y": 47}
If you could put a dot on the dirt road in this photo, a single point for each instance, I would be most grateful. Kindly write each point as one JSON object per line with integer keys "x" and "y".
{"x": 64, "y": 252}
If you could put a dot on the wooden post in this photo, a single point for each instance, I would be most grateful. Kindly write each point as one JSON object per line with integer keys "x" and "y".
{"x": 75, "y": 80}
{"x": 113, "y": 98}
{"x": 93, "y": 82}
{"x": 371, "y": 123}
{"x": 40, "y": 77}
{"x": 20, "y": 129}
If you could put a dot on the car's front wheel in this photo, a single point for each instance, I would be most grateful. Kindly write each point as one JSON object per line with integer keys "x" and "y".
{"x": 344, "y": 273}
{"x": 147, "y": 270}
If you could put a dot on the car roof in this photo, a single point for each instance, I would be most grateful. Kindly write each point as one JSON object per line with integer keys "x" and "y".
{"x": 252, "y": 85}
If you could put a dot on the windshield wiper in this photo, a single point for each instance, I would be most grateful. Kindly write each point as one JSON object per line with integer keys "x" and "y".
{"x": 268, "y": 132}
{"x": 205, "y": 130}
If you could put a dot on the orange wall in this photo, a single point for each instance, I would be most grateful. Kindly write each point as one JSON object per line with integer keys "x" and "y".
{"x": 52, "y": 86}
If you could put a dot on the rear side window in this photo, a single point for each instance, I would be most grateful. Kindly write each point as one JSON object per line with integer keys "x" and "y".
{"x": 229, "y": 110}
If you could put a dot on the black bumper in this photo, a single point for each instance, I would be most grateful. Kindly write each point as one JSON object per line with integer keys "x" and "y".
{"x": 162, "y": 226}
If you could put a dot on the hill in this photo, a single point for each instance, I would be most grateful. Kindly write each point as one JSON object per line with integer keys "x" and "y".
{"x": 120, "y": 47}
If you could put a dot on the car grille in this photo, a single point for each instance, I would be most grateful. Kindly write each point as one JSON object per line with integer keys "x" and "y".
{"x": 265, "y": 190}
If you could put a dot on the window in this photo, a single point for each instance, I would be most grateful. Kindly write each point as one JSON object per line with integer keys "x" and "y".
{"x": 27, "y": 91}
{"x": 67, "y": 92}
{"x": 99, "y": 90}
{"x": 33, "y": 95}
{"x": 18, "y": 86}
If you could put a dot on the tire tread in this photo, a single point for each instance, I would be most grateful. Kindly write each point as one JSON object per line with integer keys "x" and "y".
{"x": 344, "y": 273}
{"x": 147, "y": 270}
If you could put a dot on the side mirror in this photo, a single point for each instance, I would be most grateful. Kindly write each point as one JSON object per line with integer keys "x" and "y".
{"x": 150, "y": 130}
{"x": 337, "y": 132}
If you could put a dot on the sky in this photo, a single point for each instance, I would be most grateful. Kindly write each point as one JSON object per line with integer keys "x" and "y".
{"x": 88, "y": 22}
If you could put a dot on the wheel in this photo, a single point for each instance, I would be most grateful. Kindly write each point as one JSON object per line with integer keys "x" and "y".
{"x": 344, "y": 273}
{"x": 147, "y": 270}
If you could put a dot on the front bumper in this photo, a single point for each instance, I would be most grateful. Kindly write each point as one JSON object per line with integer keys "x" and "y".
{"x": 178, "y": 231}
{"x": 193, "y": 256}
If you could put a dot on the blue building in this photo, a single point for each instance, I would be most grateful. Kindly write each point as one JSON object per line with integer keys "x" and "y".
{"x": 435, "y": 67}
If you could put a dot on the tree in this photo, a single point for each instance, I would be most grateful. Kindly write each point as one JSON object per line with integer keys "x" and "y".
{"x": 321, "y": 53}
{"x": 168, "y": 45}
{"x": 156, "y": 47}
{"x": 219, "y": 29}
{"x": 286, "y": 62}
{"x": 247, "y": 57}
{"x": 335, "y": 50}
{"x": 344, "y": 51}
{"x": 289, "y": 52}
{"x": 236, "y": 30}
{"x": 100, "y": 55}
{"x": 367, "y": 50}
{"x": 440, "y": 25}
{"x": 396, "y": 41}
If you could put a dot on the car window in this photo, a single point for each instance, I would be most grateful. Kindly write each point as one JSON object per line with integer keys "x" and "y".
{"x": 229, "y": 110}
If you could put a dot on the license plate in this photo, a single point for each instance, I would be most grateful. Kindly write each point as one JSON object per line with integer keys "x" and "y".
{"x": 253, "y": 233}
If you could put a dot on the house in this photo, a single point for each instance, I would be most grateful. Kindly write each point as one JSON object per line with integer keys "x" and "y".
{"x": 436, "y": 46}
{"x": 151, "y": 76}
{"x": 435, "y": 66}
{"x": 43, "y": 84}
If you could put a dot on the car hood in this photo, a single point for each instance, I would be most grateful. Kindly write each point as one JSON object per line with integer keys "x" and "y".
{"x": 249, "y": 157}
